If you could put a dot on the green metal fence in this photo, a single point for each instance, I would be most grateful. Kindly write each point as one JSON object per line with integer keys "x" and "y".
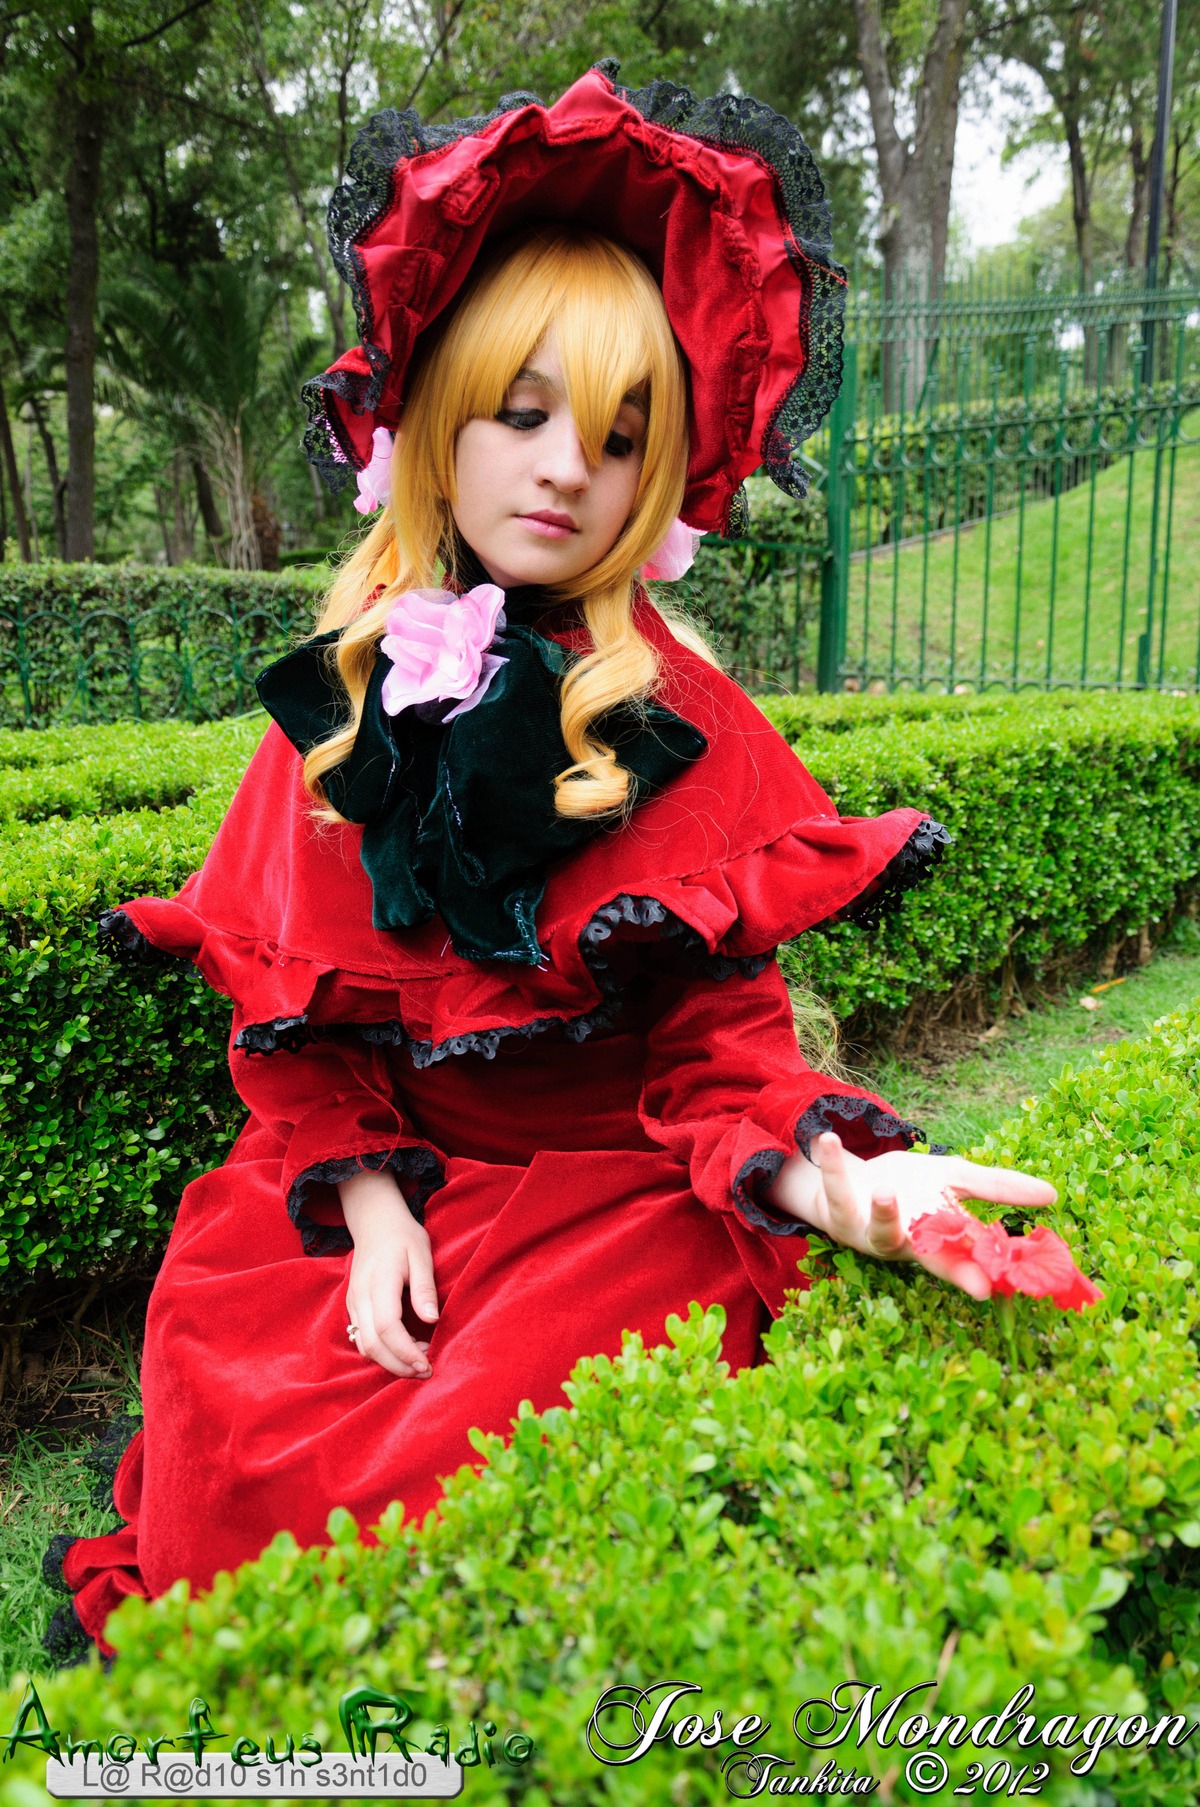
{"x": 1010, "y": 483}
{"x": 1013, "y": 494}
{"x": 94, "y": 644}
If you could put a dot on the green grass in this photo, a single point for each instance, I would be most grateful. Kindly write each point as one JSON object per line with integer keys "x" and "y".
{"x": 44, "y": 1489}
{"x": 1034, "y": 578}
{"x": 969, "y": 1098}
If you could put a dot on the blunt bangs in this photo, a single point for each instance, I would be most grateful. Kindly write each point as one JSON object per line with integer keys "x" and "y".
{"x": 612, "y": 330}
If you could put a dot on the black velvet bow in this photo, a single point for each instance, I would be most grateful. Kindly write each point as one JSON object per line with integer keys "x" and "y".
{"x": 459, "y": 817}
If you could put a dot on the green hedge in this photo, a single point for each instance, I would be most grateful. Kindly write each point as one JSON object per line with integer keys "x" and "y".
{"x": 913, "y": 1487}
{"x": 115, "y": 1082}
{"x": 95, "y": 643}
{"x": 1075, "y": 818}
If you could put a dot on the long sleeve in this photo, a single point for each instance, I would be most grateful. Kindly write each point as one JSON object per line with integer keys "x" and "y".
{"x": 333, "y": 1104}
{"x": 728, "y": 1091}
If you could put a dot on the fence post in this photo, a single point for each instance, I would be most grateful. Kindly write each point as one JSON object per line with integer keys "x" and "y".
{"x": 839, "y": 500}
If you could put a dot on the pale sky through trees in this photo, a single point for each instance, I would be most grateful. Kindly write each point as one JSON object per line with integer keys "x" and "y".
{"x": 988, "y": 200}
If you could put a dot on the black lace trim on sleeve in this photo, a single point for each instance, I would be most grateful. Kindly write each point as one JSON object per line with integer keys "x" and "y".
{"x": 819, "y": 1117}
{"x": 119, "y": 936}
{"x": 417, "y": 1166}
{"x": 914, "y": 862}
{"x": 763, "y": 1168}
{"x": 752, "y": 1177}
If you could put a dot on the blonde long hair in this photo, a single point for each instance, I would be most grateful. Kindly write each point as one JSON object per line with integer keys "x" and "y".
{"x": 613, "y": 335}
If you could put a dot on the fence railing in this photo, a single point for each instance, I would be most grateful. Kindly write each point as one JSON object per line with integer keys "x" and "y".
{"x": 1027, "y": 541}
{"x": 1011, "y": 488}
{"x": 145, "y": 645}
{"x": 922, "y": 345}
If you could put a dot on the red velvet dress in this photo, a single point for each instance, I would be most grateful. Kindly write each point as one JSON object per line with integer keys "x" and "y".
{"x": 587, "y": 1141}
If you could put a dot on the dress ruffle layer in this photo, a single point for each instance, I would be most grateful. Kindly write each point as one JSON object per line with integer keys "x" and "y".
{"x": 742, "y": 852}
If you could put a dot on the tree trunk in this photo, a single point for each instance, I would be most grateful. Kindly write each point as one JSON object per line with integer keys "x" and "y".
{"x": 328, "y": 280}
{"x": 14, "y": 484}
{"x": 85, "y": 137}
{"x": 58, "y": 484}
{"x": 30, "y": 511}
{"x": 1081, "y": 213}
{"x": 1081, "y": 203}
{"x": 267, "y": 532}
{"x": 161, "y": 509}
{"x": 184, "y": 517}
{"x": 1171, "y": 236}
{"x": 228, "y": 453}
{"x": 914, "y": 180}
{"x": 318, "y": 491}
{"x": 1139, "y": 163}
{"x": 206, "y": 501}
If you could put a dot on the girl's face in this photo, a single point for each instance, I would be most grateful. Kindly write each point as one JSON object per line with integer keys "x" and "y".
{"x": 530, "y": 506}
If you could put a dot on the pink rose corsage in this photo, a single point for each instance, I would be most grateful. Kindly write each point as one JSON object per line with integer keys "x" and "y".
{"x": 438, "y": 643}
{"x": 675, "y": 556}
{"x": 374, "y": 481}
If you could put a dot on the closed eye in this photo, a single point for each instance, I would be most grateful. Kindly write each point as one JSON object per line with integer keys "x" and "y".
{"x": 523, "y": 419}
{"x": 618, "y": 446}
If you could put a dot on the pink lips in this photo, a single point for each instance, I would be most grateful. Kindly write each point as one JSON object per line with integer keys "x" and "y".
{"x": 549, "y": 525}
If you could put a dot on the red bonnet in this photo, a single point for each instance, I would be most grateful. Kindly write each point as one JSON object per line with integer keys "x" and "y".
{"x": 720, "y": 198}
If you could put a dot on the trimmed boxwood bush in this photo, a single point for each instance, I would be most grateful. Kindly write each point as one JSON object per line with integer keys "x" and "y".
{"x": 94, "y": 643}
{"x": 915, "y": 1487}
{"x": 1074, "y": 818}
{"x": 115, "y": 1088}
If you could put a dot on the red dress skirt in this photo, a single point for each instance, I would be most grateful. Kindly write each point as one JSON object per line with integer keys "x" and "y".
{"x": 589, "y": 1189}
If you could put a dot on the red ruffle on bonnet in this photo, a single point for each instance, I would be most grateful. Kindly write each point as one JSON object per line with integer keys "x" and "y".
{"x": 719, "y": 197}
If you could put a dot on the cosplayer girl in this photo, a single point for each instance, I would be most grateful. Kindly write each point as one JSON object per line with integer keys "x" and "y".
{"x": 498, "y": 898}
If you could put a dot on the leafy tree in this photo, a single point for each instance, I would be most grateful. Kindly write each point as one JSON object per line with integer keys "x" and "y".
{"x": 811, "y": 58}
{"x": 196, "y": 361}
{"x": 80, "y": 65}
{"x": 800, "y": 57}
{"x": 1096, "y": 61}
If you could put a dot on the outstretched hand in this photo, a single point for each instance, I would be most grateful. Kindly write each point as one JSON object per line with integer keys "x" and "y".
{"x": 871, "y": 1205}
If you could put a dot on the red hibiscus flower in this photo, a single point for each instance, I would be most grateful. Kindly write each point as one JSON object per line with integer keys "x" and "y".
{"x": 946, "y": 1232}
{"x": 1039, "y": 1264}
